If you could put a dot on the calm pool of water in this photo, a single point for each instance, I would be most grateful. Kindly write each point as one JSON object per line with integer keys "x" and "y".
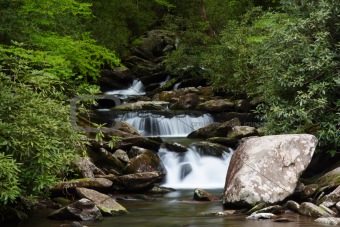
{"x": 173, "y": 209}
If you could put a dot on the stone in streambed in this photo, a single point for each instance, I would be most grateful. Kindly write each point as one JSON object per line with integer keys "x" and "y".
{"x": 266, "y": 169}
{"x": 148, "y": 161}
{"x": 312, "y": 210}
{"x": 83, "y": 209}
{"x": 293, "y": 206}
{"x": 137, "y": 182}
{"x": 202, "y": 195}
{"x": 259, "y": 216}
{"x": 276, "y": 209}
{"x": 328, "y": 221}
{"x": 105, "y": 203}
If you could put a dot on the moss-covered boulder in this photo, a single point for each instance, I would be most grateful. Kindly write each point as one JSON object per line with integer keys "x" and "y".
{"x": 105, "y": 203}
{"x": 202, "y": 195}
{"x": 148, "y": 161}
{"x": 312, "y": 210}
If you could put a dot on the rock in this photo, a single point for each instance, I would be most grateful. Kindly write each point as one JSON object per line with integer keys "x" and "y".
{"x": 293, "y": 206}
{"x": 142, "y": 105}
{"x": 108, "y": 81}
{"x": 309, "y": 190}
{"x": 246, "y": 119}
{"x": 121, "y": 155}
{"x": 312, "y": 210}
{"x": 202, "y": 195}
{"x": 137, "y": 181}
{"x": 329, "y": 180}
{"x": 256, "y": 208}
{"x": 238, "y": 132}
{"x": 160, "y": 190}
{"x": 218, "y": 105}
{"x": 328, "y": 221}
{"x": 176, "y": 147}
{"x": 259, "y": 216}
{"x": 152, "y": 143}
{"x": 168, "y": 96}
{"x": 226, "y": 127}
{"x": 109, "y": 161}
{"x": 187, "y": 102}
{"x": 100, "y": 184}
{"x": 135, "y": 151}
{"x": 83, "y": 209}
{"x": 330, "y": 199}
{"x": 211, "y": 149}
{"x": 204, "y": 132}
{"x": 331, "y": 212}
{"x": 76, "y": 224}
{"x": 276, "y": 209}
{"x": 266, "y": 169}
{"x": 282, "y": 220}
{"x": 145, "y": 162}
{"x": 87, "y": 168}
{"x": 105, "y": 203}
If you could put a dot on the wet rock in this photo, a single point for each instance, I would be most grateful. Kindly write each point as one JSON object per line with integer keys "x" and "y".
{"x": 137, "y": 181}
{"x": 87, "y": 168}
{"x": 109, "y": 160}
{"x": 276, "y": 209}
{"x": 259, "y": 216}
{"x": 76, "y": 224}
{"x": 331, "y": 199}
{"x": 328, "y": 221}
{"x": 83, "y": 209}
{"x": 142, "y": 105}
{"x": 204, "y": 132}
{"x": 135, "y": 151}
{"x": 145, "y": 162}
{"x": 105, "y": 203}
{"x": 186, "y": 169}
{"x": 293, "y": 206}
{"x": 211, "y": 149}
{"x": 176, "y": 147}
{"x": 160, "y": 190}
{"x": 266, "y": 169}
{"x": 124, "y": 130}
{"x": 226, "y": 127}
{"x": 202, "y": 195}
{"x": 152, "y": 143}
{"x": 312, "y": 210}
{"x": 256, "y": 208}
{"x": 100, "y": 184}
{"x": 218, "y": 105}
{"x": 109, "y": 81}
{"x": 331, "y": 212}
{"x": 282, "y": 220}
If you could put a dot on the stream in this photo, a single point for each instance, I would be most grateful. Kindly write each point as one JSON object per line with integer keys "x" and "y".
{"x": 185, "y": 172}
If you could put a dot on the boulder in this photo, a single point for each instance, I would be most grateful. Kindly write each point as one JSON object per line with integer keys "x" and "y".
{"x": 202, "y": 195}
{"x": 242, "y": 106}
{"x": 137, "y": 181}
{"x": 337, "y": 206}
{"x": 175, "y": 147}
{"x": 309, "y": 190}
{"x": 312, "y": 210}
{"x": 121, "y": 155}
{"x": 276, "y": 209}
{"x": 186, "y": 102}
{"x": 135, "y": 151}
{"x": 109, "y": 161}
{"x": 105, "y": 203}
{"x": 152, "y": 143}
{"x": 266, "y": 169}
{"x": 204, "y": 132}
{"x": 210, "y": 149}
{"x": 145, "y": 162}
{"x": 84, "y": 210}
{"x": 226, "y": 127}
{"x": 239, "y": 132}
{"x": 218, "y": 105}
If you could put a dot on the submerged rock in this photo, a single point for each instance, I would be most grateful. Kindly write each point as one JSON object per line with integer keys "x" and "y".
{"x": 259, "y": 216}
{"x": 266, "y": 169}
{"x": 202, "y": 195}
{"x": 105, "y": 203}
{"x": 328, "y": 221}
{"x": 83, "y": 209}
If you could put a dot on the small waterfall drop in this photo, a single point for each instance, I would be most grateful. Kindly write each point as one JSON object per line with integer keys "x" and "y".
{"x": 194, "y": 170}
{"x": 137, "y": 88}
{"x": 155, "y": 124}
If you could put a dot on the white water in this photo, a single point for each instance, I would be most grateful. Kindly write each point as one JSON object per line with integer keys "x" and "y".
{"x": 192, "y": 170}
{"x": 137, "y": 88}
{"x": 166, "y": 80}
{"x": 149, "y": 124}
{"x": 176, "y": 86}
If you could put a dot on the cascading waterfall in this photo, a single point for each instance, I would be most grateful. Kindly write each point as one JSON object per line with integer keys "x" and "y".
{"x": 193, "y": 169}
{"x": 137, "y": 88}
{"x": 155, "y": 124}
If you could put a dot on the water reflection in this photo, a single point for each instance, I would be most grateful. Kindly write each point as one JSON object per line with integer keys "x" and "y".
{"x": 174, "y": 209}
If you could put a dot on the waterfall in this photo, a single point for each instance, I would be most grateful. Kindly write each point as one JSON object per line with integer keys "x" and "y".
{"x": 137, "y": 88}
{"x": 155, "y": 124}
{"x": 193, "y": 169}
